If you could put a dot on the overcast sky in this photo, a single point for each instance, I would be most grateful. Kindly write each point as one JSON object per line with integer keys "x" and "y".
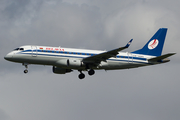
{"x": 147, "y": 93}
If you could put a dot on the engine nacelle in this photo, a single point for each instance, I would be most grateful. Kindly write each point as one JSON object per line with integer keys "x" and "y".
{"x": 74, "y": 63}
{"x": 58, "y": 70}
{"x": 71, "y": 63}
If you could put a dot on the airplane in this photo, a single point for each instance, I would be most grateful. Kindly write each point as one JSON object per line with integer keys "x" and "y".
{"x": 65, "y": 60}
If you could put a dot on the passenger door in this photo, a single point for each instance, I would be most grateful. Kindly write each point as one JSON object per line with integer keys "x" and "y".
{"x": 34, "y": 51}
{"x": 130, "y": 58}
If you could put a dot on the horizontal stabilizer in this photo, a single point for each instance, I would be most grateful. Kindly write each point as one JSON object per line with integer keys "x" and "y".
{"x": 161, "y": 57}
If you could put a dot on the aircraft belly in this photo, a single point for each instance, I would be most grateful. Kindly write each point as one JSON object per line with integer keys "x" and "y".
{"x": 113, "y": 65}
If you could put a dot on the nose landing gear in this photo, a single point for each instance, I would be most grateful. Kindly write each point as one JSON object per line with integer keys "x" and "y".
{"x": 26, "y": 66}
{"x": 25, "y": 71}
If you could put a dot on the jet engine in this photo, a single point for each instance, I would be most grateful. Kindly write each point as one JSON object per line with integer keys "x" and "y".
{"x": 71, "y": 63}
{"x": 74, "y": 63}
{"x": 58, "y": 70}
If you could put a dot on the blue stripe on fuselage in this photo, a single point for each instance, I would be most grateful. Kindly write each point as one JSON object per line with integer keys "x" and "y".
{"x": 67, "y": 54}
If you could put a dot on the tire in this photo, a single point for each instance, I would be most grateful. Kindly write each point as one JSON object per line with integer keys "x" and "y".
{"x": 91, "y": 72}
{"x": 81, "y": 76}
{"x": 25, "y": 71}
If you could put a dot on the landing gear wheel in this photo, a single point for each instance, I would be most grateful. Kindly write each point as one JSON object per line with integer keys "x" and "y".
{"x": 25, "y": 71}
{"x": 81, "y": 76}
{"x": 91, "y": 72}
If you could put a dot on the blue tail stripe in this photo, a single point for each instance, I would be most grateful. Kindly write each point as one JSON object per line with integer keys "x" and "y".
{"x": 155, "y": 45}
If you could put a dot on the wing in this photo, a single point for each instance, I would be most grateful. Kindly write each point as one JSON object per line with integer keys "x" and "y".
{"x": 105, "y": 55}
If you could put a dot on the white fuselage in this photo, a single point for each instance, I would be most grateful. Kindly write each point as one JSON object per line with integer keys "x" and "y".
{"x": 54, "y": 56}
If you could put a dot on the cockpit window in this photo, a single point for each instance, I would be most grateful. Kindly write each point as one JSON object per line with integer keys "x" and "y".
{"x": 16, "y": 49}
{"x": 21, "y": 49}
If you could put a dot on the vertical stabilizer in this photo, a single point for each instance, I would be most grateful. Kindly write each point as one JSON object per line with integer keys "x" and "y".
{"x": 155, "y": 45}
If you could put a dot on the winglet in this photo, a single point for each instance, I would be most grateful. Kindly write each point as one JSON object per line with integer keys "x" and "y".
{"x": 128, "y": 44}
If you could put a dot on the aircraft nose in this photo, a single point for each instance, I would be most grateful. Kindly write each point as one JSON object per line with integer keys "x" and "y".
{"x": 8, "y": 56}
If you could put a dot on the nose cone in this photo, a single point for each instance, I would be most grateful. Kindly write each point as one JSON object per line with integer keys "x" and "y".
{"x": 8, "y": 56}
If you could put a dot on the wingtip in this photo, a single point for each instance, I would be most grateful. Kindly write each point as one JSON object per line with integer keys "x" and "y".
{"x": 173, "y": 53}
{"x": 128, "y": 44}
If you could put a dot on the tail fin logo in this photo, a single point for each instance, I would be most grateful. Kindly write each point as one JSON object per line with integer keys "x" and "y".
{"x": 153, "y": 44}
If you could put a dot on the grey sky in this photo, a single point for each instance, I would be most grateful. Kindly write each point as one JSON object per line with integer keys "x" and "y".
{"x": 150, "y": 93}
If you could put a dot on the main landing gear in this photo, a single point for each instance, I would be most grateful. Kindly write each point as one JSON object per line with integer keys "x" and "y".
{"x": 82, "y": 75}
{"x": 26, "y": 66}
{"x": 91, "y": 72}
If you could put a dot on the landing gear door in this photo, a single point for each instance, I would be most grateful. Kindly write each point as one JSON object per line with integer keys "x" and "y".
{"x": 34, "y": 51}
